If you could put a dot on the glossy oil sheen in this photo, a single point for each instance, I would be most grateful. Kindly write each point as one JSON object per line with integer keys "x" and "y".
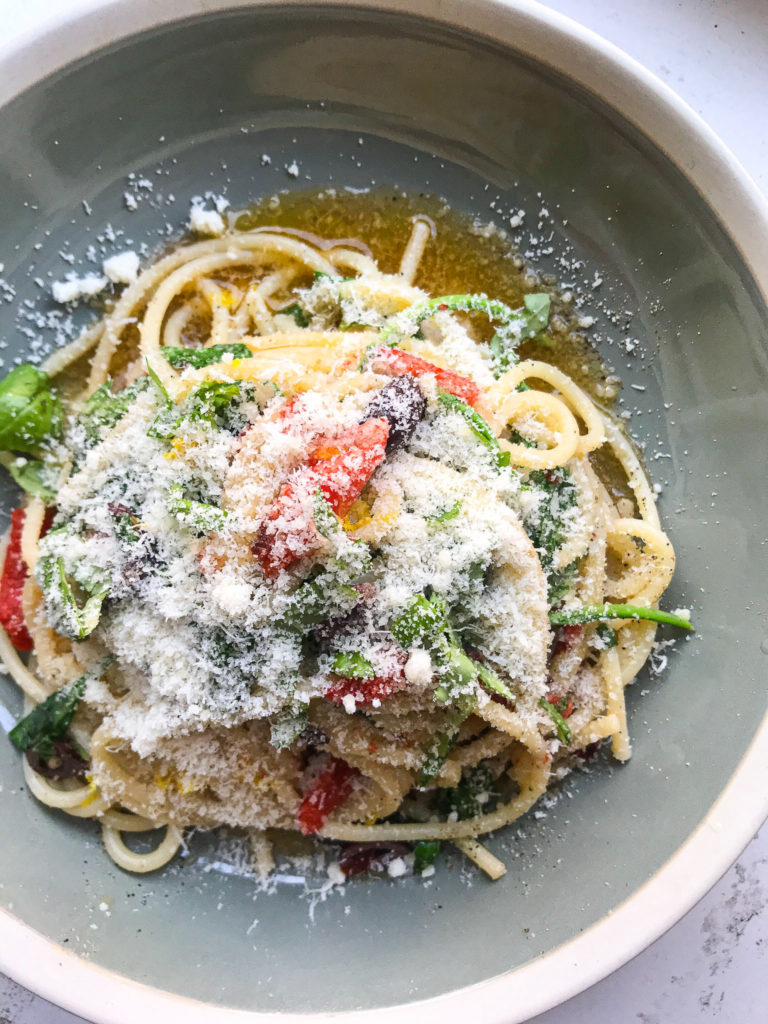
{"x": 440, "y": 112}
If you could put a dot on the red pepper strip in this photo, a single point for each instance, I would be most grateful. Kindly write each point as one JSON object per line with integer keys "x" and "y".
{"x": 555, "y": 700}
{"x": 366, "y": 691}
{"x": 344, "y": 463}
{"x": 329, "y": 791}
{"x": 394, "y": 362}
{"x": 12, "y": 585}
{"x": 566, "y": 637}
{"x": 340, "y": 466}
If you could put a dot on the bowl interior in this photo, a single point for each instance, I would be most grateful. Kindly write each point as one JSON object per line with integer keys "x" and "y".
{"x": 357, "y": 99}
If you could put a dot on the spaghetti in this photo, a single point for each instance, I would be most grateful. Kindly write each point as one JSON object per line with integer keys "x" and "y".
{"x": 309, "y": 547}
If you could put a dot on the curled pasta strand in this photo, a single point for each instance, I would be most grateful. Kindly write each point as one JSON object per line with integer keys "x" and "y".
{"x": 554, "y": 415}
{"x": 577, "y": 400}
{"x": 636, "y": 476}
{"x": 64, "y": 798}
{"x": 178, "y": 320}
{"x": 66, "y": 355}
{"x": 644, "y": 583}
{"x": 531, "y": 776}
{"x": 140, "y": 863}
{"x": 348, "y": 259}
{"x": 216, "y": 253}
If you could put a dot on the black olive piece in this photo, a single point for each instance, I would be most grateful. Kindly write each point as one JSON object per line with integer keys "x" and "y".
{"x": 402, "y": 404}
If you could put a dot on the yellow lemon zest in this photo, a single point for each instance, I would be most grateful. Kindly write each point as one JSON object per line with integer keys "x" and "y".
{"x": 93, "y": 792}
{"x": 172, "y": 778}
{"x": 178, "y": 446}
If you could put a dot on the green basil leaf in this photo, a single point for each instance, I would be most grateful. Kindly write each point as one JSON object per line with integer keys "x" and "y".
{"x": 30, "y": 410}
{"x": 48, "y": 721}
{"x": 34, "y": 477}
{"x": 64, "y": 613}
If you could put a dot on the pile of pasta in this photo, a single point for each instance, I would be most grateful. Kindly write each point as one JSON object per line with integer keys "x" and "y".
{"x": 312, "y": 316}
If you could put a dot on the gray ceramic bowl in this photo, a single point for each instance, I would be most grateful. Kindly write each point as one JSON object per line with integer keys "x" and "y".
{"x": 519, "y": 98}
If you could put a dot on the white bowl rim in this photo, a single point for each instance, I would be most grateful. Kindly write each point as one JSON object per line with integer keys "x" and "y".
{"x": 623, "y": 84}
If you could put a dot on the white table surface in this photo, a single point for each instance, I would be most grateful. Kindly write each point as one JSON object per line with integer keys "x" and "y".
{"x": 713, "y": 965}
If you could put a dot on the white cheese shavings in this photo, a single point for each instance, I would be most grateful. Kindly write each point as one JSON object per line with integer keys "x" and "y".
{"x": 122, "y": 268}
{"x": 397, "y": 868}
{"x": 348, "y": 700}
{"x": 74, "y": 288}
{"x": 203, "y": 221}
{"x": 418, "y": 668}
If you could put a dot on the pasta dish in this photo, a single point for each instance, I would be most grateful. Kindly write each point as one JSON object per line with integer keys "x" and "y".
{"x": 305, "y": 548}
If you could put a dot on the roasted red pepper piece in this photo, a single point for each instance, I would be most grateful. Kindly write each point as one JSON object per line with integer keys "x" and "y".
{"x": 395, "y": 362}
{"x": 365, "y": 691}
{"x": 12, "y": 585}
{"x": 565, "y": 638}
{"x": 344, "y": 463}
{"x": 329, "y": 791}
{"x": 340, "y": 466}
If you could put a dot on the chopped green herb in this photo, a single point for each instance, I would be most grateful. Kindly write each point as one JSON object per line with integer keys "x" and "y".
{"x": 547, "y": 527}
{"x": 200, "y": 357}
{"x": 606, "y": 636}
{"x": 444, "y": 517}
{"x": 64, "y": 613}
{"x": 479, "y": 427}
{"x": 287, "y": 727}
{"x": 316, "y": 600}
{"x": 105, "y": 408}
{"x": 30, "y": 410}
{"x": 298, "y": 314}
{"x": 424, "y": 622}
{"x": 560, "y": 581}
{"x": 327, "y": 522}
{"x": 424, "y": 854}
{"x": 215, "y": 403}
{"x": 515, "y": 325}
{"x": 199, "y": 514}
{"x": 353, "y": 665}
{"x": 157, "y": 382}
{"x": 466, "y": 799}
{"x": 605, "y": 612}
{"x": 435, "y": 756}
